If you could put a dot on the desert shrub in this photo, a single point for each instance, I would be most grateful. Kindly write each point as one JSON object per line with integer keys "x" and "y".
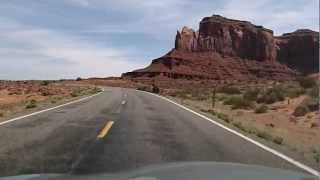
{"x": 95, "y": 90}
{"x": 78, "y": 79}
{"x": 295, "y": 92}
{"x": 252, "y": 130}
{"x": 75, "y": 93}
{"x": 238, "y": 103}
{"x": 31, "y": 104}
{"x": 45, "y": 93}
{"x": 261, "y": 109}
{"x": 314, "y": 92}
{"x": 311, "y": 102}
{"x": 243, "y": 104}
{"x": 155, "y": 89}
{"x": 251, "y": 94}
{"x": 239, "y": 126}
{"x": 181, "y": 94}
{"x": 209, "y": 111}
{"x": 222, "y": 98}
{"x": 317, "y": 157}
{"x": 229, "y": 90}
{"x": 307, "y": 82}
{"x": 278, "y": 140}
{"x": 44, "y": 83}
{"x": 143, "y": 88}
{"x": 272, "y": 95}
{"x": 264, "y": 135}
{"x": 231, "y": 100}
{"x": 316, "y": 154}
{"x": 301, "y": 110}
{"x": 223, "y": 117}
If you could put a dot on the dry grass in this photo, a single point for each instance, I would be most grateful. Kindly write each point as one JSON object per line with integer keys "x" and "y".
{"x": 273, "y": 122}
{"x": 19, "y": 97}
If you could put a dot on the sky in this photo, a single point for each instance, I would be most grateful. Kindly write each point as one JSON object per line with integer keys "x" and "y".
{"x": 58, "y": 39}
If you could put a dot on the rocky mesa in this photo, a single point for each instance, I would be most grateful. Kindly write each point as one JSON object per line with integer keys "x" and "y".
{"x": 227, "y": 49}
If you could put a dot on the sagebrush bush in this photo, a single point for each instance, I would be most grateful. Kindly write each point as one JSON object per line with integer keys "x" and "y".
{"x": 314, "y": 92}
{"x": 312, "y": 103}
{"x": 155, "y": 89}
{"x": 272, "y": 95}
{"x": 79, "y": 79}
{"x": 211, "y": 112}
{"x": 224, "y": 117}
{"x": 222, "y": 98}
{"x": 75, "y": 93}
{"x": 261, "y": 109}
{"x": 295, "y": 92}
{"x": 307, "y": 82}
{"x": 180, "y": 94}
{"x": 301, "y": 110}
{"x": 44, "y": 83}
{"x": 317, "y": 157}
{"x": 95, "y": 90}
{"x": 238, "y": 103}
{"x": 143, "y": 88}
{"x": 251, "y": 94}
{"x": 239, "y": 126}
{"x": 316, "y": 154}
{"x": 31, "y": 104}
{"x": 278, "y": 140}
{"x": 229, "y": 90}
{"x": 264, "y": 135}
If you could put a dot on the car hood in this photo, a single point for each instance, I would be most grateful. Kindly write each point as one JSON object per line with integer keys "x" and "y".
{"x": 183, "y": 171}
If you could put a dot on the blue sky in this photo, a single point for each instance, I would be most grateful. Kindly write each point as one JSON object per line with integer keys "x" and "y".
{"x": 53, "y": 39}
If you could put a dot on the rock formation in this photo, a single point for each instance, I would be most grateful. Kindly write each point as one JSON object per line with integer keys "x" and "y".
{"x": 226, "y": 49}
{"x": 299, "y": 50}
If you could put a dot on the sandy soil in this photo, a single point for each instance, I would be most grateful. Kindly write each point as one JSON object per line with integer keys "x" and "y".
{"x": 16, "y": 95}
{"x": 297, "y": 132}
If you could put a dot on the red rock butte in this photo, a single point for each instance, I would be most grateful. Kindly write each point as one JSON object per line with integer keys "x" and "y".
{"x": 227, "y": 49}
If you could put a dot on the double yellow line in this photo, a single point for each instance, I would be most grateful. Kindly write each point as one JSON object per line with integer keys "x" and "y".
{"x": 105, "y": 130}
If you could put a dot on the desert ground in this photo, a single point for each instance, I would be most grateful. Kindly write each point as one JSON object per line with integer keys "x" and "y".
{"x": 283, "y": 114}
{"x": 22, "y": 97}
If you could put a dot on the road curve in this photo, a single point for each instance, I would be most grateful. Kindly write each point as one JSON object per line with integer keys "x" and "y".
{"x": 145, "y": 129}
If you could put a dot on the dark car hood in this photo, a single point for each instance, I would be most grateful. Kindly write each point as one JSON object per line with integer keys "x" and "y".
{"x": 183, "y": 171}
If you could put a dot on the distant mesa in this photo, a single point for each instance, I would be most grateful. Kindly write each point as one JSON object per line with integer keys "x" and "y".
{"x": 227, "y": 49}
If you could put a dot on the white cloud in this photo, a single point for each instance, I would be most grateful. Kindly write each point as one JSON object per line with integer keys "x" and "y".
{"x": 86, "y": 59}
{"x": 157, "y": 18}
{"x": 83, "y": 3}
{"x": 160, "y": 18}
{"x": 41, "y": 44}
{"x": 278, "y": 16}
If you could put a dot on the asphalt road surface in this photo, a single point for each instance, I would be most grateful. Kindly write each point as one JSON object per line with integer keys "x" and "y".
{"x": 120, "y": 129}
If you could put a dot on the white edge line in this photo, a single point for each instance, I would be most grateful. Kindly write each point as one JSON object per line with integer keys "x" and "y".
{"x": 290, "y": 160}
{"x": 45, "y": 110}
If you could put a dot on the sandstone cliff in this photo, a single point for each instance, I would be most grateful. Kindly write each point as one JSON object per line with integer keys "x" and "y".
{"x": 229, "y": 37}
{"x": 226, "y": 49}
{"x": 299, "y": 50}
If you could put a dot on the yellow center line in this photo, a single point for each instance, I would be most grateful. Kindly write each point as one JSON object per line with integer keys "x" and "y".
{"x": 105, "y": 130}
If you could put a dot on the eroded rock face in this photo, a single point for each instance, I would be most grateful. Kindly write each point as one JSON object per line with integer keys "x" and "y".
{"x": 229, "y": 38}
{"x": 299, "y": 50}
{"x": 186, "y": 40}
{"x": 226, "y": 49}
{"x": 212, "y": 66}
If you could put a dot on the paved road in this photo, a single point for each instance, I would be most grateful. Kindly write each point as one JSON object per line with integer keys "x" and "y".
{"x": 146, "y": 130}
